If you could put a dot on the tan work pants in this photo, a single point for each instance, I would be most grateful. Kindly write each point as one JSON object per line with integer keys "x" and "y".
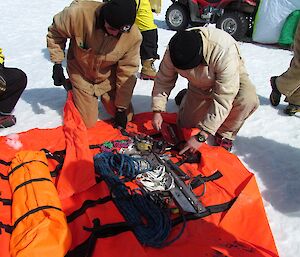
{"x": 289, "y": 82}
{"x": 195, "y": 106}
{"x": 87, "y": 106}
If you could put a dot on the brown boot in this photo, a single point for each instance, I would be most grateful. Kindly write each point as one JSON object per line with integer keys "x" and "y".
{"x": 148, "y": 70}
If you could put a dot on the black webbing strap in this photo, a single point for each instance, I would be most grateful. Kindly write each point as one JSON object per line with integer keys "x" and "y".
{"x": 32, "y": 181}
{"x": 6, "y": 201}
{"x": 209, "y": 210}
{"x": 199, "y": 180}
{"x": 5, "y": 163}
{"x": 108, "y": 230}
{"x": 101, "y": 231}
{"x": 57, "y": 156}
{"x": 4, "y": 177}
{"x": 34, "y": 211}
{"x": 54, "y": 173}
{"x": 87, "y": 204}
{"x": 97, "y": 231}
{"x": 22, "y": 164}
{"x": 7, "y": 228}
{"x": 9, "y": 201}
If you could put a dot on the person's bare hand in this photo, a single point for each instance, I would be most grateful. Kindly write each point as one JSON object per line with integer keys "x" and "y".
{"x": 191, "y": 145}
{"x": 157, "y": 120}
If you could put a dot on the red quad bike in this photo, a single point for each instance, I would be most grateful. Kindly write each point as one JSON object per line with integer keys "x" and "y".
{"x": 233, "y": 16}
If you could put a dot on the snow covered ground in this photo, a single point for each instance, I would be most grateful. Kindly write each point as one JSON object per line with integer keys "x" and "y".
{"x": 268, "y": 144}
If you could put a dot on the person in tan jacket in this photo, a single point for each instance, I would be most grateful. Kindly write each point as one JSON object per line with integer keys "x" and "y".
{"x": 220, "y": 95}
{"x": 288, "y": 83}
{"x": 102, "y": 59}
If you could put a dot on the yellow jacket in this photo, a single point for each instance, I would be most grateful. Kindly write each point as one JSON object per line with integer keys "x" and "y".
{"x": 144, "y": 16}
{"x": 1, "y": 57}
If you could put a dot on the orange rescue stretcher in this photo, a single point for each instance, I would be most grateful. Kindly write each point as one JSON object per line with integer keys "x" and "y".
{"x": 236, "y": 225}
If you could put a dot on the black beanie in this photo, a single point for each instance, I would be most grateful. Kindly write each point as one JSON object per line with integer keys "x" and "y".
{"x": 120, "y": 14}
{"x": 186, "y": 49}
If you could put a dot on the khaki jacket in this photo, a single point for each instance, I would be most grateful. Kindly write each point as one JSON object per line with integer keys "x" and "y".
{"x": 96, "y": 62}
{"x": 217, "y": 81}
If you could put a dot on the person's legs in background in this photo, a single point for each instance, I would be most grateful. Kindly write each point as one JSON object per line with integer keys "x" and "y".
{"x": 149, "y": 54}
{"x": 16, "y": 81}
{"x": 148, "y": 50}
{"x": 288, "y": 83}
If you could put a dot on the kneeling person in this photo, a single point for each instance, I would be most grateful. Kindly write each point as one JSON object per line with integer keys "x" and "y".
{"x": 220, "y": 95}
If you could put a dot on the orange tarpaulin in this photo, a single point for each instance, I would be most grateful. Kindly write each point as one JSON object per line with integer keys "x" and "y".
{"x": 243, "y": 230}
{"x": 78, "y": 170}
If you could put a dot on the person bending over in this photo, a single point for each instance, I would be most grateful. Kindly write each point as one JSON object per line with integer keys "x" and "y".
{"x": 102, "y": 59}
{"x": 220, "y": 95}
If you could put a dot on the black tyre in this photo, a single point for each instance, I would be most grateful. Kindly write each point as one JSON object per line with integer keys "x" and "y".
{"x": 177, "y": 17}
{"x": 234, "y": 23}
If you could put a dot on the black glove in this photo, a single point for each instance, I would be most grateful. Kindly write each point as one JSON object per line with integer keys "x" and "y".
{"x": 120, "y": 118}
{"x": 58, "y": 75}
{"x": 2, "y": 80}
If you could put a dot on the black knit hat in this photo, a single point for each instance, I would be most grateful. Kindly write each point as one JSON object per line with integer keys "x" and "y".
{"x": 186, "y": 49}
{"x": 120, "y": 14}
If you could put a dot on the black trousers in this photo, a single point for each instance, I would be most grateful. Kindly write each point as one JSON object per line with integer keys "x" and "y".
{"x": 16, "y": 81}
{"x": 148, "y": 49}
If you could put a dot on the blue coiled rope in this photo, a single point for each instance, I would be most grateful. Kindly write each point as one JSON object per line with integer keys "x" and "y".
{"x": 151, "y": 224}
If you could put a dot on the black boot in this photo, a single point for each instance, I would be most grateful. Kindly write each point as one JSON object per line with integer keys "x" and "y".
{"x": 275, "y": 94}
{"x": 7, "y": 121}
{"x": 292, "y": 109}
{"x": 179, "y": 96}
